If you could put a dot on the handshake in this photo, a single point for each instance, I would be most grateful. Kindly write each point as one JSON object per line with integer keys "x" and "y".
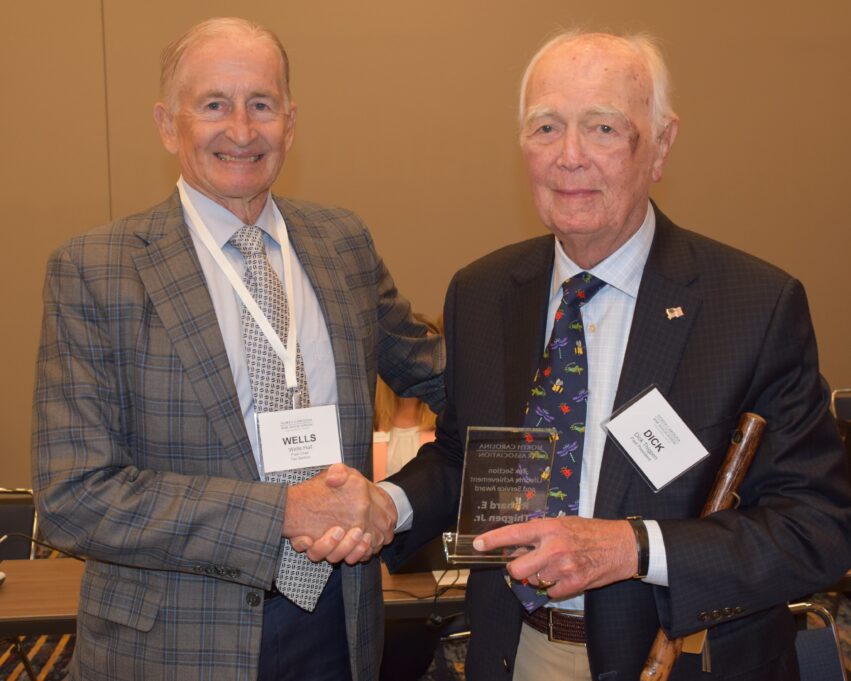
{"x": 339, "y": 515}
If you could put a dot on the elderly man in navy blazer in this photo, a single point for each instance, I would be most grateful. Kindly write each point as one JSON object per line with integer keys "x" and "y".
{"x": 716, "y": 331}
{"x": 146, "y": 454}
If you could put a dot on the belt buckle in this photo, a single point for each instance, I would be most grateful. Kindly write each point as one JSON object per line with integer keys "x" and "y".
{"x": 551, "y": 628}
{"x": 551, "y": 637}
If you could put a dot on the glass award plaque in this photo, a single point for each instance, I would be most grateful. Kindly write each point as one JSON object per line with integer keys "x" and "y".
{"x": 505, "y": 480}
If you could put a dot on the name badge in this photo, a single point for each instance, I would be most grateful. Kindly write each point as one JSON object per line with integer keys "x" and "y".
{"x": 299, "y": 438}
{"x": 655, "y": 438}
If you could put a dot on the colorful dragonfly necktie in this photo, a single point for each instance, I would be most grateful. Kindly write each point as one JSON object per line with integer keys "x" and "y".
{"x": 558, "y": 400}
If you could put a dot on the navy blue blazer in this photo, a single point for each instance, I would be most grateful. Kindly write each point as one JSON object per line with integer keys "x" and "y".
{"x": 745, "y": 343}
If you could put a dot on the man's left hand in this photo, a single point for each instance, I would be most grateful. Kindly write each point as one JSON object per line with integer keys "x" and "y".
{"x": 573, "y": 553}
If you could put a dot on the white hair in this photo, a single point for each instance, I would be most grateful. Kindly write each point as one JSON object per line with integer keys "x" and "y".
{"x": 645, "y": 45}
{"x": 213, "y": 28}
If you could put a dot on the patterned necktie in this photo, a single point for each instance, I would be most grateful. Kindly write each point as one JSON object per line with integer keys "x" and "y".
{"x": 299, "y": 579}
{"x": 558, "y": 400}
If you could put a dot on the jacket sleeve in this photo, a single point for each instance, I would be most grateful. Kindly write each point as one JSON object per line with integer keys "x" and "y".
{"x": 789, "y": 536}
{"x": 409, "y": 360}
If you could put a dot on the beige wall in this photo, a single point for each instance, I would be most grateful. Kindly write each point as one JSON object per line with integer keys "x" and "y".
{"x": 54, "y": 181}
{"x": 406, "y": 114}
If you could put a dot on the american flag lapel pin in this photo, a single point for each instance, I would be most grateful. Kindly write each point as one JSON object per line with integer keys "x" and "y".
{"x": 674, "y": 312}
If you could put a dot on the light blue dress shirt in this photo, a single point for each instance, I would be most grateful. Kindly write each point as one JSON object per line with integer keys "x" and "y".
{"x": 607, "y": 319}
{"x": 313, "y": 339}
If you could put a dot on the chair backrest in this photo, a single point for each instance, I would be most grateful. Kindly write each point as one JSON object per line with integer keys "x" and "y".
{"x": 819, "y": 652}
{"x": 18, "y": 515}
{"x": 840, "y": 407}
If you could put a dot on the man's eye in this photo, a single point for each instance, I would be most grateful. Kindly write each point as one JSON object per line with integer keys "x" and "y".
{"x": 546, "y": 129}
{"x": 214, "y": 106}
{"x": 606, "y": 128}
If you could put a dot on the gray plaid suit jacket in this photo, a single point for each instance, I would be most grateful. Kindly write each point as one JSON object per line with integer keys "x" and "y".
{"x": 141, "y": 461}
{"x": 745, "y": 343}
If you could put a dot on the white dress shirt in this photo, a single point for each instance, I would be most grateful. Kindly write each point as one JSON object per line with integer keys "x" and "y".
{"x": 313, "y": 339}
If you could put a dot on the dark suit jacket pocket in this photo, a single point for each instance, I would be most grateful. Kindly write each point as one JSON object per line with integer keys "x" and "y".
{"x": 123, "y": 602}
{"x": 716, "y": 437}
{"x": 750, "y": 643}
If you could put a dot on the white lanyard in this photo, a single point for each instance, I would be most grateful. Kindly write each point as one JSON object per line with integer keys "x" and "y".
{"x": 283, "y": 351}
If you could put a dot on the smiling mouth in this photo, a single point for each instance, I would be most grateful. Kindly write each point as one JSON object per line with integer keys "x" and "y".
{"x": 242, "y": 159}
{"x": 576, "y": 193}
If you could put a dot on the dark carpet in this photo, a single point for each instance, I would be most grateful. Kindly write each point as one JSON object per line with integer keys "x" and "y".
{"x": 49, "y": 655}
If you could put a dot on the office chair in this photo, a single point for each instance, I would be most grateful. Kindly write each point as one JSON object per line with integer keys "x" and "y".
{"x": 411, "y": 644}
{"x": 18, "y": 515}
{"x": 840, "y": 407}
{"x": 840, "y": 404}
{"x": 819, "y": 652}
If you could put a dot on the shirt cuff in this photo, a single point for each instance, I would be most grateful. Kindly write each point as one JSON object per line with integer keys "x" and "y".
{"x": 657, "y": 570}
{"x": 404, "y": 512}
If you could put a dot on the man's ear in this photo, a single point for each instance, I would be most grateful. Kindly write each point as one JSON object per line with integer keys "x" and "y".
{"x": 166, "y": 126}
{"x": 289, "y": 134}
{"x": 664, "y": 143}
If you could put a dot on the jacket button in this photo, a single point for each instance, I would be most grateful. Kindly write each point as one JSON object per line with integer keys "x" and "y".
{"x": 198, "y": 569}
{"x": 703, "y": 617}
{"x": 233, "y": 572}
{"x": 716, "y": 614}
{"x": 252, "y": 598}
{"x": 738, "y": 610}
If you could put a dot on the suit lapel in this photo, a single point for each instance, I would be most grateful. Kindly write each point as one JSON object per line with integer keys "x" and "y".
{"x": 320, "y": 260}
{"x": 655, "y": 347}
{"x": 171, "y": 273}
{"x": 525, "y": 321}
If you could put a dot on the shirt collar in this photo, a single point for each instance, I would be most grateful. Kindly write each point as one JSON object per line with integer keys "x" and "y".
{"x": 220, "y": 221}
{"x": 622, "y": 269}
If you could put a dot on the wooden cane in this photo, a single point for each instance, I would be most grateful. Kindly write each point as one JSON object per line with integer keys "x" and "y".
{"x": 740, "y": 453}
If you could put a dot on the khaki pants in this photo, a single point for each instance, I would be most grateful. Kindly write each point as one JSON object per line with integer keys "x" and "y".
{"x": 539, "y": 659}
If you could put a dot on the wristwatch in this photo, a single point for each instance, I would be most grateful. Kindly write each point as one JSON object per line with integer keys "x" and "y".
{"x": 642, "y": 545}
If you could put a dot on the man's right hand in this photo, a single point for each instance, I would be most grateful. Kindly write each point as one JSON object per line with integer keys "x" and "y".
{"x": 339, "y": 515}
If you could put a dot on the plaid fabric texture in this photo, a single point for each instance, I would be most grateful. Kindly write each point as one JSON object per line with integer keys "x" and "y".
{"x": 141, "y": 461}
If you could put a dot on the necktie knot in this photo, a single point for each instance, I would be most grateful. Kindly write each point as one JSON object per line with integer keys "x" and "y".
{"x": 249, "y": 240}
{"x": 579, "y": 289}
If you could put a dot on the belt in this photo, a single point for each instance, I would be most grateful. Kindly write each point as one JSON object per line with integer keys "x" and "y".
{"x": 558, "y": 625}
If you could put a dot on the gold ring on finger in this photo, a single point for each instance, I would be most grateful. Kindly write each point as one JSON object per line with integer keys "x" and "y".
{"x": 543, "y": 583}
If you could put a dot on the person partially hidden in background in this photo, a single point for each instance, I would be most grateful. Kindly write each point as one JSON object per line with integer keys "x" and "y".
{"x": 165, "y": 334}
{"x": 401, "y": 424}
{"x": 564, "y": 331}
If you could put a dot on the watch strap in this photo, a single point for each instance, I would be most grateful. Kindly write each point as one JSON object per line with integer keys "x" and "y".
{"x": 642, "y": 545}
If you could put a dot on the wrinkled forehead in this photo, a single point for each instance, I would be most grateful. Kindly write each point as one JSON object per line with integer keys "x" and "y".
{"x": 598, "y": 71}
{"x": 230, "y": 50}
